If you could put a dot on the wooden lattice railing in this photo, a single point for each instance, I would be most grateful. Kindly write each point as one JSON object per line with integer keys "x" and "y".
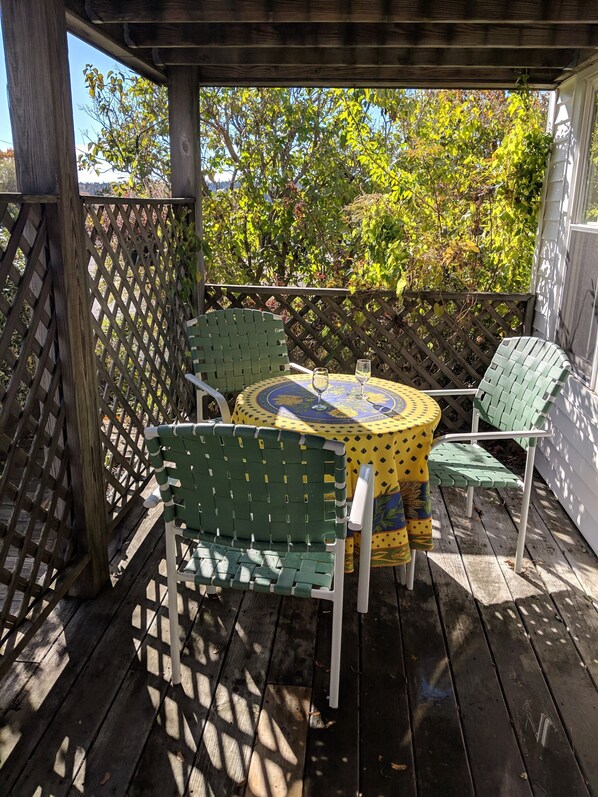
{"x": 36, "y": 528}
{"x": 137, "y": 283}
{"x": 428, "y": 339}
{"x": 136, "y": 280}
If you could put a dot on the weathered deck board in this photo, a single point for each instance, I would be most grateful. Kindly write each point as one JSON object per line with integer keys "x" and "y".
{"x": 222, "y": 762}
{"x": 332, "y": 762}
{"x": 170, "y": 750}
{"x": 494, "y": 754}
{"x": 386, "y": 753}
{"x": 39, "y": 698}
{"x": 551, "y": 767}
{"x": 444, "y": 690}
{"x": 278, "y": 759}
{"x": 572, "y": 689}
{"x": 441, "y": 759}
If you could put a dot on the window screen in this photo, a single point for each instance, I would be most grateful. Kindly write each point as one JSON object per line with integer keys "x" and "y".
{"x": 589, "y": 213}
{"x": 578, "y": 324}
{"x": 579, "y": 312}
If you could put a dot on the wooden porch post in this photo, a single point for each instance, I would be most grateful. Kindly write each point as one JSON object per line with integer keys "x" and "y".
{"x": 44, "y": 143}
{"x": 185, "y": 151}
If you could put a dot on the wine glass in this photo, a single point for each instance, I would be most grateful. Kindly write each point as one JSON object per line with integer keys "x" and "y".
{"x": 319, "y": 382}
{"x": 363, "y": 371}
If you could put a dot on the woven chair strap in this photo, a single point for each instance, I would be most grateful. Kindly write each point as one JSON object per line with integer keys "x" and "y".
{"x": 261, "y": 571}
{"x": 463, "y": 465}
{"x": 521, "y": 384}
{"x": 232, "y": 349}
{"x": 246, "y": 487}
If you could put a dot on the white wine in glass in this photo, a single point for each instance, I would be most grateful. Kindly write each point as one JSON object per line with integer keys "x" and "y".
{"x": 319, "y": 381}
{"x": 363, "y": 371}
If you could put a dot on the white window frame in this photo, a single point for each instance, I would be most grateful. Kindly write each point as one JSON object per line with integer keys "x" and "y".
{"x": 580, "y": 187}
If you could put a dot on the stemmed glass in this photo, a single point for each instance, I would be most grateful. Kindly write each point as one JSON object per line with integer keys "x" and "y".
{"x": 319, "y": 382}
{"x": 363, "y": 371}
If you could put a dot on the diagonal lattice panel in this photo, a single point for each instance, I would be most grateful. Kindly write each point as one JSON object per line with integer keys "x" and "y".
{"x": 138, "y": 317}
{"x": 428, "y": 339}
{"x": 36, "y": 537}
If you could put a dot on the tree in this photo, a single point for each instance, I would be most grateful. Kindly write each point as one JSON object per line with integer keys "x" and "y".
{"x": 8, "y": 175}
{"x": 460, "y": 175}
{"x": 280, "y": 218}
{"x": 132, "y": 114}
{"x": 393, "y": 188}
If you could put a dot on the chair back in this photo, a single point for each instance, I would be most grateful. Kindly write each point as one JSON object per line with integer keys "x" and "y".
{"x": 260, "y": 488}
{"x": 521, "y": 383}
{"x": 232, "y": 349}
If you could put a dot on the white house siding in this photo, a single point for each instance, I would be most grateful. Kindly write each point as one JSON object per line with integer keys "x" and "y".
{"x": 569, "y": 460}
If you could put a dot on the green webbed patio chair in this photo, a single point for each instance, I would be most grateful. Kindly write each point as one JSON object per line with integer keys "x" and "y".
{"x": 232, "y": 349}
{"x": 263, "y": 510}
{"x": 515, "y": 396}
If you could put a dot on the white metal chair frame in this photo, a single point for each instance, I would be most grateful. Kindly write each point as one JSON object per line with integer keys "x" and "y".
{"x": 473, "y": 437}
{"x": 530, "y": 373}
{"x": 360, "y": 519}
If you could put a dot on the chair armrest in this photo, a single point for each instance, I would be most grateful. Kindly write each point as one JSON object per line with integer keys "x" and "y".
{"x": 301, "y": 368}
{"x": 365, "y": 480}
{"x": 219, "y": 398}
{"x": 464, "y": 391}
{"x": 473, "y": 436}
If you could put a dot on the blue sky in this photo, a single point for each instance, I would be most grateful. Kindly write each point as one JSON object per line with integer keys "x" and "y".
{"x": 80, "y": 54}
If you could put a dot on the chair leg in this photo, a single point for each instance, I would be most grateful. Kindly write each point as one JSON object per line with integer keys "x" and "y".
{"x": 469, "y": 504}
{"x": 403, "y": 574}
{"x": 475, "y": 425}
{"x": 527, "y": 492}
{"x": 173, "y": 615}
{"x": 365, "y": 553}
{"x": 337, "y": 623}
{"x": 411, "y": 569}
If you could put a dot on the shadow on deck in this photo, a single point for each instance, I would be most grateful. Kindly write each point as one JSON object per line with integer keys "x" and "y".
{"x": 477, "y": 682}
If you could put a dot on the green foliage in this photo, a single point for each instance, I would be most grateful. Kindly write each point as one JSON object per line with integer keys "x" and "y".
{"x": 380, "y": 247}
{"x": 369, "y": 188}
{"x": 8, "y": 175}
{"x": 132, "y": 114}
{"x": 590, "y": 211}
{"x": 187, "y": 246}
{"x": 280, "y": 217}
{"x": 461, "y": 172}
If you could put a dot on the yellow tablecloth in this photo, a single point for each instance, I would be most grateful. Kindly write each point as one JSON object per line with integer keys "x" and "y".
{"x": 392, "y": 429}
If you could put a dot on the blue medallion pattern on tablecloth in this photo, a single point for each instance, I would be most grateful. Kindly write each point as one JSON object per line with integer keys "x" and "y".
{"x": 291, "y": 399}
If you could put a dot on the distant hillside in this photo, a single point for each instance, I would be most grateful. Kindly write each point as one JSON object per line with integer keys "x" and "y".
{"x": 105, "y": 189}
{"x": 95, "y": 189}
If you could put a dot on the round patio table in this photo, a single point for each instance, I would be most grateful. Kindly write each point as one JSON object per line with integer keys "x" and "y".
{"x": 392, "y": 428}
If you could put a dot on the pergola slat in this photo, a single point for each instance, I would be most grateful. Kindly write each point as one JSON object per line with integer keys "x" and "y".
{"x": 527, "y": 11}
{"x": 363, "y": 57}
{"x": 472, "y": 43}
{"x": 392, "y": 77}
{"x": 269, "y": 34}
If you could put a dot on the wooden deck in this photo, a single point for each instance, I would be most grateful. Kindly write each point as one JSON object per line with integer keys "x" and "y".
{"x": 477, "y": 682}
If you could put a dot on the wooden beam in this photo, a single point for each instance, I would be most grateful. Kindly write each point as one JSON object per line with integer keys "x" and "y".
{"x": 384, "y": 11}
{"x": 364, "y": 56}
{"x": 44, "y": 142}
{"x": 371, "y": 77}
{"x": 185, "y": 152}
{"x": 112, "y": 42}
{"x": 270, "y": 34}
